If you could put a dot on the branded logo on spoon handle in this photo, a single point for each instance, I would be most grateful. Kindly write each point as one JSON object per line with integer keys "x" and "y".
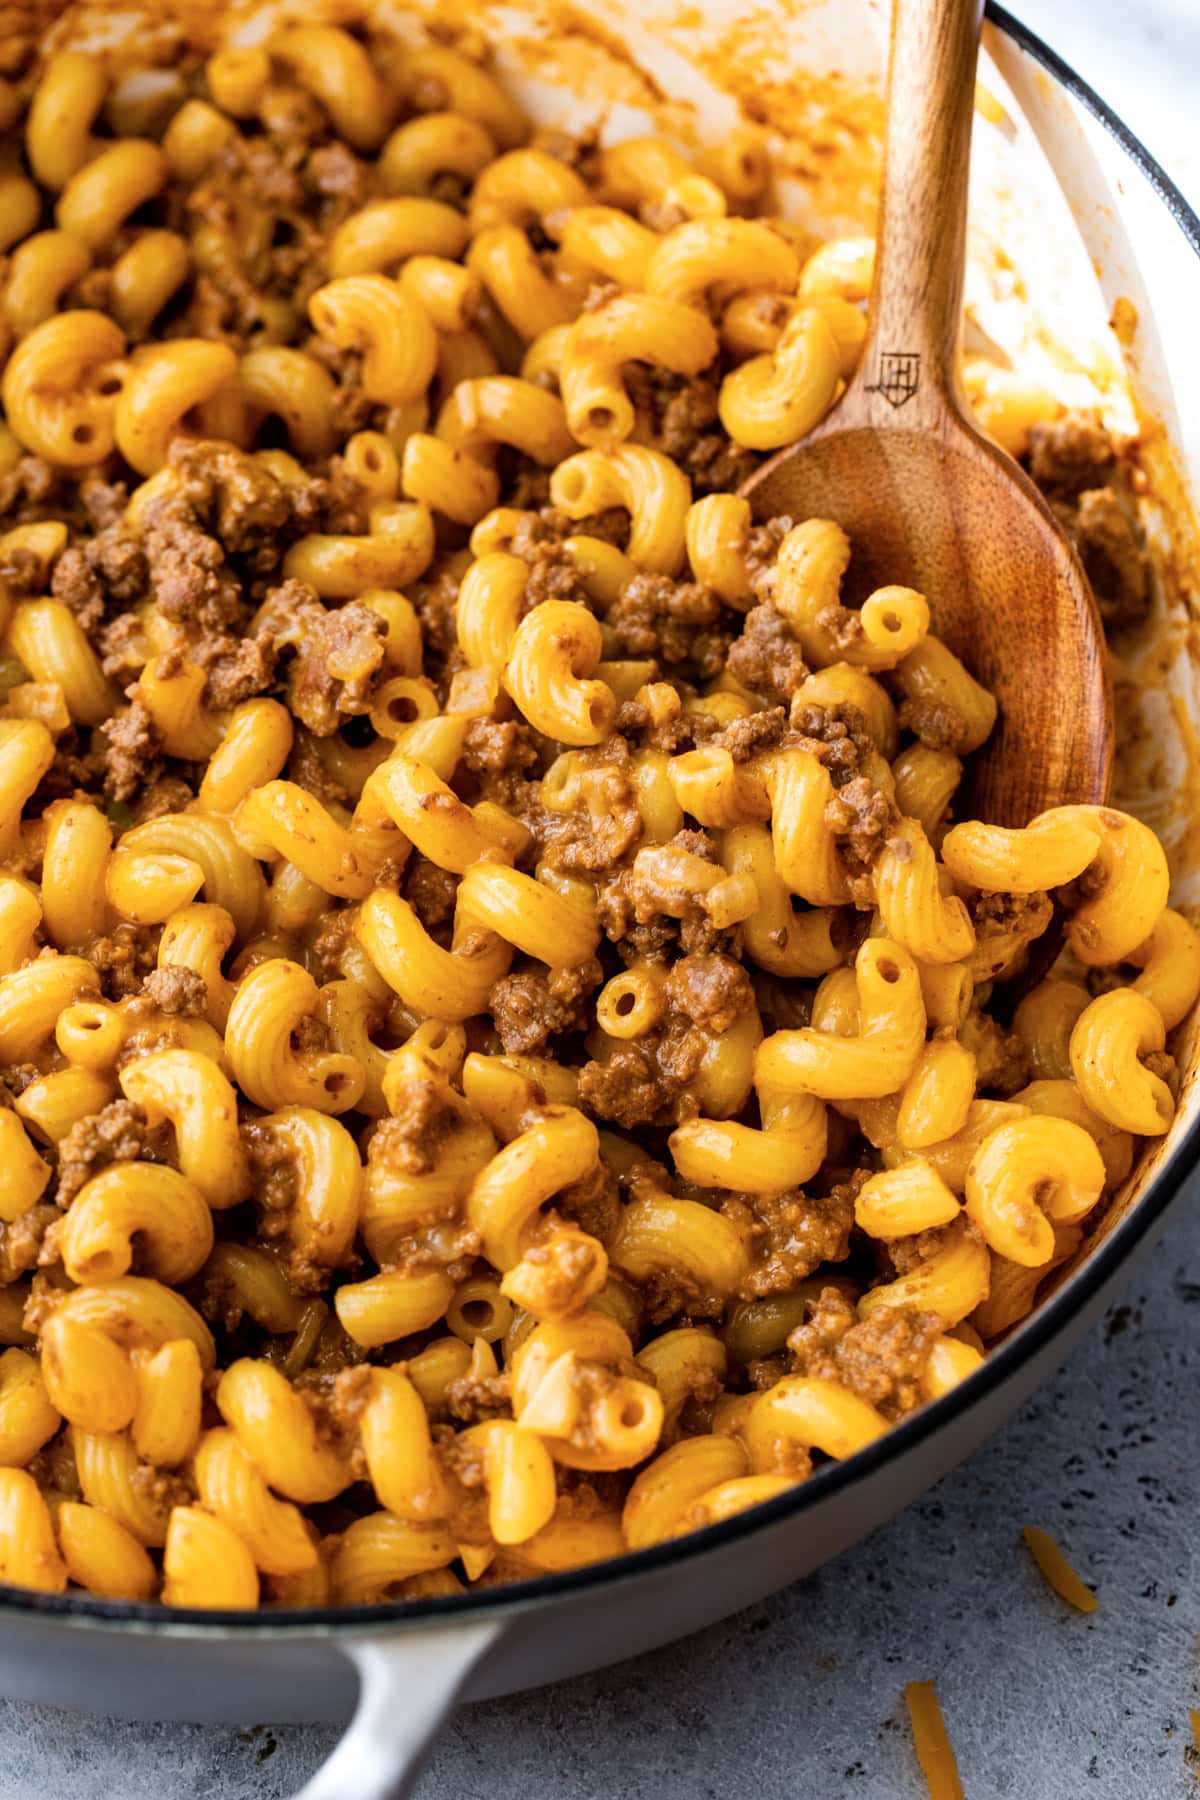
{"x": 899, "y": 376}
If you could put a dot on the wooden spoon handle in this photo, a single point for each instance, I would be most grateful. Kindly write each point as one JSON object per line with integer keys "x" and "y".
{"x": 907, "y": 375}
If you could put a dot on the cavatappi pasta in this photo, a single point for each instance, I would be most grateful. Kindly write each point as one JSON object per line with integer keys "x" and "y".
{"x": 501, "y": 1019}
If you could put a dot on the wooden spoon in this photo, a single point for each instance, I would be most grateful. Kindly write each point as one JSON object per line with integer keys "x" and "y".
{"x": 925, "y": 498}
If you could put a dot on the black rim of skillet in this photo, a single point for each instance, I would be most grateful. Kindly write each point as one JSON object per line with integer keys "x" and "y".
{"x": 831, "y": 1478}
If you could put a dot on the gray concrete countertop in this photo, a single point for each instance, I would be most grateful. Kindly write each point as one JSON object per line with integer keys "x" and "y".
{"x": 802, "y": 1698}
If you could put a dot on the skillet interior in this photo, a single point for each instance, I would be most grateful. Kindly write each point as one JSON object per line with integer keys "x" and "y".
{"x": 836, "y": 109}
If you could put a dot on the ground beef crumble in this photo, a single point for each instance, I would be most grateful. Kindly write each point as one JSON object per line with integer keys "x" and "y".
{"x": 133, "y": 757}
{"x": 236, "y": 668}
{"x": 189, "y": 579}
{"x": 937, "y": 724}
{"x": 635, "y": 1087}
{"x": 679, "y": 623}
{"x": 862, "y": 817}
{"x": 789, "y": 1235}
{"x": 604, "y": 823}
{"x": 902, "y": 1255}
{"x": 1004, "y": 924}
{"x": 1163, "y": 1064}
{"x": 435, "y": 599}
{"x": 1075, "y": 463}
{"x": 711, "y": 991}
{"x": 422, "y": 1119}
{"x": 837, "y": 734}
{"x": 1070, "y": 454}
{"x": 767, "y": 658}
{"x": 677, "y": 415}
{"x": 753, "y": 735}
{"x": 430, "y": 891}
{"x": 471, "y": 1399}
{"x": 1112, "y": 552}
{"x": 643, "y": 916}
{"x": 882, "y": 1358}
{"x": 529, "y": 1007}
{"x": 665, "y": 729}
{"x": 171, "y": 794}
{"x": 553, "y": 573}
{"x": 162, "y": 1489}
{"x": 22, "y": 1240}
{"x": 334, "y": 655}
{"x": 501, "y": 753}
{"x": 650, "y": 1080}
{"x": 594, "y": 1203}
{"x": 276, "y": 1196}
{"x": 124, "y": 958}
{"x": 177, "y": 991}
{"x": 463, "y": 1471}
{"x": 119, "y": 1132}
{"x": 335, "y": 1403}
{"x": 1002, "y": 1060}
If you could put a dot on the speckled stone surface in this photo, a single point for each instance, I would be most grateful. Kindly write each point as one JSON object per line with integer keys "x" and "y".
{"x": 801, "y": 1698}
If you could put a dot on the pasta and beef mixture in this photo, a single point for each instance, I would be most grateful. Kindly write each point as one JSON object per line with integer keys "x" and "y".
{"x": 509, "y": 1052}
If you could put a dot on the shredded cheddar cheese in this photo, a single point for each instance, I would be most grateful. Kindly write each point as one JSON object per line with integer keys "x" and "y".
{"x": 935, "y": 1752}
{"x": 989, "y": 107}
{"x": 1057, "y": 1570}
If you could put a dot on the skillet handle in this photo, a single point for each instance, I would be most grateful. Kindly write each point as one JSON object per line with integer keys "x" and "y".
{"x": 407, "y": 1689}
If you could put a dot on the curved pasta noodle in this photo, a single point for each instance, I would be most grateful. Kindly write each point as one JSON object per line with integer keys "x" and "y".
{"x": 162, "y": 391}
{"x": 167, "y": 1213}
{"x": 59, "y": 390}
{"x": 433, "y": 144}
{"x": 233, "y": 880}
{"x": 785, "y": 1152}
{"x": 808, "y": 1413}
{"x": 651, "y": 328}
{"x": 65, "y": 103}
{"x": 553, "y": 653}
{"x": 1170, "y": 964}
{"x": 558, "y": 1149}
{"x": 774, "y": 399}
{"x": 206, "y": 1563}
{"x": 338, "y": 72}
{"x": 1027, "y": 1177}
{"x": 1134, "y": 882}
{"x": 378, "y": 317}
{"x": 655, "y": 492}
{"x": 269, "y": 1006}
{"x": 952, "y": 1282}
{"x": 292, "y": 386}
{"x": 555, "y": 928}
{"x": 231, "y": 1487}
{"x": 100, "y": 196}
{"x": 659, "y": 1232}
{"x": 442, "y": 984}
{"x": 397, "y": 549}
{"x": 875, "y": 1061}
{"x": 1107, "y": 1043}
{"x": 915, "y": 912}
{"x": 41, "y": 270}
{"x": 696, "y": 255}
{"x": 29, "y": 1554}
{"x": 388, "y": 232}
{"x": 273, "y": 1426}
{"x": 190, "y": 1091}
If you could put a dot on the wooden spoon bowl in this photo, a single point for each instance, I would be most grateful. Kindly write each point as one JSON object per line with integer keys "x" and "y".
{"x": 925, "y": 498}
